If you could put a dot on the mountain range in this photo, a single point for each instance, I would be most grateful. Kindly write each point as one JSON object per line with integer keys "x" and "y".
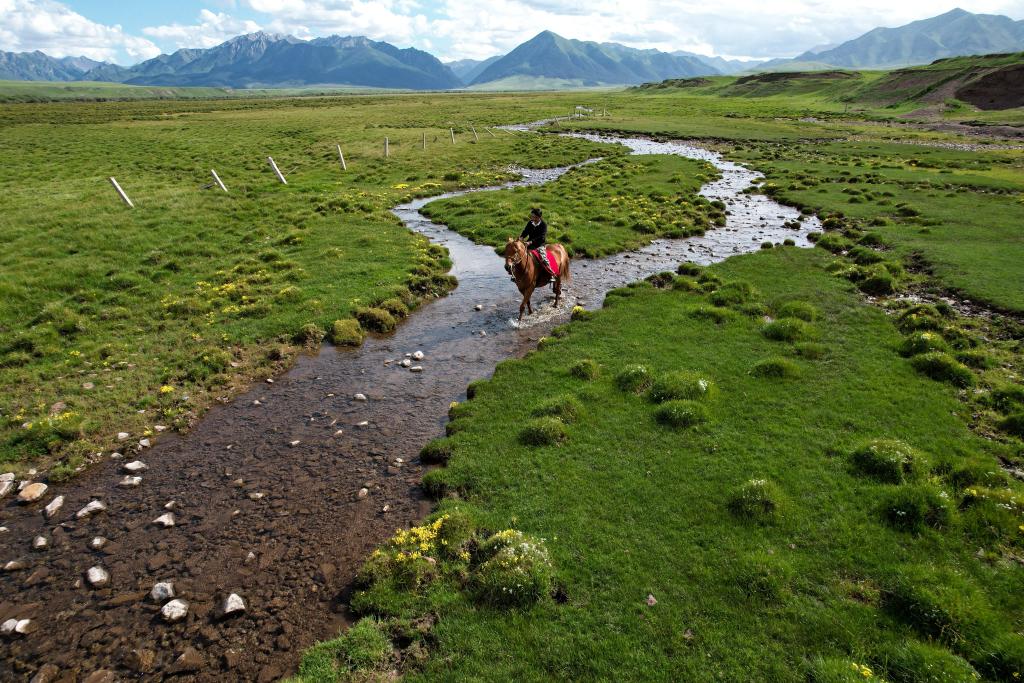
{"x": 546, "y": 60}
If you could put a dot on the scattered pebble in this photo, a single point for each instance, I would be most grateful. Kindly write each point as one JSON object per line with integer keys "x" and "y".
{"x": 135, "y": 466}
{"x": 418, "y": 355}
{"x": 162, "y": 592}
{"x": 270, "y": 381}
{"x": 97, "y": 543}
{"x": 175, "y": 610}
{"x": 159, "y": 428}
{"x": 13, "y": 626}
{"x": 91, "y": 509}
{"x": 165, "y": 520}
{"x": 15, "y": 565}
{"x": 144, "y": 443}
{"x": 295, "y": 443}
{"x": 233, "y": 605}
{"x": 478, "y": 307}
{"x": 170, "y": 505}
{"x": 250, "y": 557}
{"x": 405, "y": 363}
{"x": 32, "y": 492}
{"x": 256, "y": 496}
{"x": 364, "y": 492}
{"x": 98, "y": 577}
{"x": 339, "y": 432}
{"x": 483, "y": 333}
{"x": 257, "y": 402}
{"x": 130, "y": 481}
{"x": 40, "y": 543}
{"x": 364, "y": 423}
{"x": 53, "y": 507}
{"x": 123, "y": 436}
{"x": 416, "y": 368}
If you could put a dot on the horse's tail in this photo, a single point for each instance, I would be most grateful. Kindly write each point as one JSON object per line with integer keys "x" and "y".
{"x": 565, "y": 274}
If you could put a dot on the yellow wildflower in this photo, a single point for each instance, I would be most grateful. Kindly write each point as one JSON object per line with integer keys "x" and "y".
{"x": 166, "y": 389}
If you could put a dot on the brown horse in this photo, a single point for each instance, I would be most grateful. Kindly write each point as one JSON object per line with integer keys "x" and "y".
{"x": 530, "y": 275}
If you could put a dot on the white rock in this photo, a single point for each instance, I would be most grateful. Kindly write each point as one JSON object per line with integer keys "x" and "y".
{"x": 170, "y": 505}
{"x": 295, "y": 443}
{"x": 129, "y": 481}
{"x": 162, "y": 592}
{"x": 40, "y": 543}
{"x": 116, "y": 456}
{"x": 270, "y": 381}
{"x": 257, "y": 402}
{"x": 97, "y": 543}
{"x": 250, "y": 557}
{"x": 123, "y": 436}
{"x": 165, "y": 520}
{"x": 5, "y": 487}
{"x": 54, "y": 507}
{"x": 22, "y": 626}
{"x": 15, "y": 565}
{"x": 175, "y": 610}
{"x": 339, "y": 432}
{"x": 32, "y": 492}
{"x": 3, "y": 530}
{"x": 418, "y": 355}
{"x": 364, "y": 492}
{"x": 91, "y": 509}
{"x": 416, "y": 368}
{"x": 135, "y": 466}
{"x": 144, "y": 443}
{"x": 405, "y": 363}
{"x": 478, "y": 307}
{"x": 360, "y": 397}
{"x": 364, "y": 423}
{"x": 256, "y": 496}
{"x": 7, "y": 476}
{"x": 233, "y": 604}
{"x": 159, "y": 428}
{"x": 12, "y": 626}
{"x": 98, "y": 577}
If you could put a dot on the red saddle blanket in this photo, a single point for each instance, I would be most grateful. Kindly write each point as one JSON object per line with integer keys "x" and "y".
{"x": 548, "y": 261}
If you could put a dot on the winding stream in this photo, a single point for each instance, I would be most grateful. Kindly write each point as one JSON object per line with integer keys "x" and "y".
{"x": 266, "y": 491}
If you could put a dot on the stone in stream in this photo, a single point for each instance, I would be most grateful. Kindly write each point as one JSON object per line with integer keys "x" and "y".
{"x": 6, "y": 486}
{"x": 40, "y": 543}
{"x": 97, "y": 543}
{"x": 416, "y": 368}
{"x": 364, "y": 492}
{"x": 418, "y": 355}
{"x": 233, "y": 605}
{"x": 165, "y": 520}
{"x": 94, "y": 507}
{"x": 53, "y": 507}
{"x": 135, "y": 466}
{"x": 13, "y": 627}
{"x": 188, "y": 661}
{"x": 360, "y": 397}
{"x": 295, "y": 443}
{"x": 405, "y": 363}
{"x": 162, "y": 592}
{"x": 129, "y": 481}
{"x": 364, "y": 423}
{"x": 15, "y": 565}
{"x": 98, "y": 577}
{"x": 7, "y": 476}
{"x": 144, "y": 443}
{"x": 175, "y": 610}
{"x": 123, "y": 436}
{"x": 478, "y": 307}
{"x": 32, "y": 492}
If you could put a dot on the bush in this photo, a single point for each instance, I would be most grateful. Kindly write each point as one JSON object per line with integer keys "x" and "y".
{"x": 715, "y": 314}
{"x": 375, "y": 319}
{"x": 544, "y": 431}
{"x": 810, "y": 350}
{"x": 396, "y": 307}
{"x": 682, "y": 385}
{"x": 944, "y": 368}
{"x": 436, "y": 452}
{"x": 912, "y": 661}
{"x": 756, "y": 499}
{"x": 1013, "y": 424}
{"x": 364, "y": 648}
{"x": 585, "y": 369}
{"x": 912, "y": 507}
{"x": 580, "y": 313}
{"x": 566, "y": 408}
{"x": 346, "y": 332}
{"x": 518, "y": 572}
{"x": 923, "y": 342}
{"x": 788, "y": 329}
{"x": 681, "y": 414}
{"x": 309, "y": 335}
{"x": 889, "y": 460}
{"x": 776, "y": 368}
{"x": 798, "y": 309}
{"x": 732, "y": 293}
{"x": 634, "y": 379}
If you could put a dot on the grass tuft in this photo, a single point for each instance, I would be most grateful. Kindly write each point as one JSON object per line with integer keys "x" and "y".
{"x": 914, "y": 507}
{"x": 681, "y": 414}
{"x": 346, "y": 332}
{"x": 544, "y": 431}
{"x": 758, "y": 500}
{"x": 682, "y": 385}
{"x": 586, "y": 369}
{"x": 889, "y": 460}
{"x": 776, "y": 368}
{"x": 944, "y": 368}
{"x": 788, "y": 329}
{"x": 634, "y": 379}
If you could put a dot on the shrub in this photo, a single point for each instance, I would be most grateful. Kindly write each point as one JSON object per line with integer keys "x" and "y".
{"x": 912, "y": 507}
{"x": 889, "y": 460}
{"x": 682, "y": 385}
{"x": 1013, "y": 424}
{"x": 396, "y": 307}
{"x": 566, "y": 408}
{"x": 788, "y": 329}
{"x": 756, "y": 499}
{"x": 375, "y": 319}
{"x": 634, "y": 379}
{"x": 732, "y": 293}
{"x": 585, "y": 369}
{"x": 810, "y": 350}
{"x": 346, "y": 332}
{"x": 681, "y": 414}
{"x": 912, "y": 661}
{"x": 715, "y": 314}
{"x": 309, "y": 335}
{"x": 944, "y": 368}
{"x": 518, "y": 572}
{"x": 776, "y": 368}
{"x": 544, "y": 431}
{"x": 798, "y": 309}
{"x": 437, "y": 451}
{"x": 923, "y": 342}
{"x": 363, "y": 648}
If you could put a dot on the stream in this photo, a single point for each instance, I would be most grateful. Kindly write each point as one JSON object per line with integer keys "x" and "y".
{"x": 280, "y": 495}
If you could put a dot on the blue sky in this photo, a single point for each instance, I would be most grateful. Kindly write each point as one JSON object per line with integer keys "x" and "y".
{"x": 128, "y": 32}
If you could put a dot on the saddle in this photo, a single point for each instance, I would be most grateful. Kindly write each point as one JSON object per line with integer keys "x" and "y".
{"x": 547, "y": 261}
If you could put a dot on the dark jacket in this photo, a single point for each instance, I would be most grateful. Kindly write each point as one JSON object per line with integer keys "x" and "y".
{"x": 535, "y": 235}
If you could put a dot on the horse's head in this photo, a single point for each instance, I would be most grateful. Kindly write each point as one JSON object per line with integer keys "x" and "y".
{"x": 515, "y": 252}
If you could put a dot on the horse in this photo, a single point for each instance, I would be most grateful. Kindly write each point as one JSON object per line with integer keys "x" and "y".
{"x": 529, "y": 275}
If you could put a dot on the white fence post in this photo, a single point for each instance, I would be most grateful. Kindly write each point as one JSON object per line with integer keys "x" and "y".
{"x": 121, "y": 192}
{"x": 452, "y": 131}
{"x": 216, "y": 179}
{"x": 341, "y": 158}
{"x": 387, "y": 152}
{"x": 476, "y": 138}
{"x": 424, "y": 143}
{"x": 490, "y": 132}
{"x": 277, "y": 171}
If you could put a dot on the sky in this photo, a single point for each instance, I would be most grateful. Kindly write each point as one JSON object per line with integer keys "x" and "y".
{"x": 129, "y": 32}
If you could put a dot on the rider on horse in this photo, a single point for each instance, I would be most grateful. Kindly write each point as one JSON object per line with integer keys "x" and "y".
{"x": 535, "y": 235}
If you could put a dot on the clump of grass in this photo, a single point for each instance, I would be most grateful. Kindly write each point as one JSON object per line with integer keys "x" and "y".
{"x": 682, "y": 385}
{"x": 376, "y": 319}
{"x": 681, "y": 414}
{"x": 580, "y": 313}
{"x": 586, "y": 369}
{"x": 691, "y": 269}
{"x": 437, "y": 451}
{"x": 362, "y": 650}
{"x": 936, "y": 604}
{"x": 923, "y": 342}
{"x": 346, "y": 332}
{"x": 396, "y": 307}
{"x": 944, "y": 368}
{"x": 788, "y": 329}
{"x": 757, "y": 500}
{"x": 309, "y": 335}
{"x": 732, "y": 293}
{"x": 912, "y": 661}
{"x": 913, "y": 507}
{"x": 763, "y": 577}
{"x": 776, "y": 368}
{"x": 566, "y": 408}
{"x": 839, "y": 670}
{"x": 715, "y": 314}
{"x": 877, "y": 281}
{"x": 517, "y": 573}
{"x": 544, "y": 431}
{"x": 920, "y": 317}
{"x": 977, "y": 358}
{"x": 810, "y": 350}
{"x": 634, "y": 378}
{"x": 889, "y": 460}
{"x": 801, "y": 310}
{"x": 1013, "y": 424}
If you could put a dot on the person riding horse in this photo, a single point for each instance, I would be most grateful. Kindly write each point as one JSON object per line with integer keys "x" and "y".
{"x": 532, "y": 263}
{"x": 534, "y": 234}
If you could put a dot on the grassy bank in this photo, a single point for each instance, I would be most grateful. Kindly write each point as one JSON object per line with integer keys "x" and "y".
{"x": 704, "y": 497}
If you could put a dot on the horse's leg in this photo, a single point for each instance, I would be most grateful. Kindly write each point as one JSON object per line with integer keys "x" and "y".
{"x": 529, "y": 304}
{"x": 558, "y": 290}
{"x": 522, "y": 307}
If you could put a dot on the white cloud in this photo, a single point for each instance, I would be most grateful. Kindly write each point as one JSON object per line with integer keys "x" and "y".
{"x": 212, "y": 29}
{"x": 391, "y": 20}
{"x": 57, "y": 30}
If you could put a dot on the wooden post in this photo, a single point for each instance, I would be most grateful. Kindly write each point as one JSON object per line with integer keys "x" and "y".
{"x": 277, "y": 171}
{"x": 424, "y": 143}
{"x": 387, "y": 152}
{"x": 216, "y": 179}
{"x": 341, "y": 158}
{"x": 452, "y": 131}
{"x": 476, "y": 138}
{"x": 121, "y": 192}
{"x": 490, "y": 132}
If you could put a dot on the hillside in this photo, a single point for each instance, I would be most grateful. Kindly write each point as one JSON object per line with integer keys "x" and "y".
{"x": 989, "y": 82}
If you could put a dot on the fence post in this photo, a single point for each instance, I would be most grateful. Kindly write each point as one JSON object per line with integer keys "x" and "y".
{"x": 490, "y": 132}
{"x": 452, "y": 131}
{"x": 476, "y": 138}
{"x": 277, "y": 171}
{"x": 424, "y": 142}
{"x": 216, "y": 179}
{"x": 387, "y": 152}
{"x": 341, "y": 157}
{"x": 121, "y": 192}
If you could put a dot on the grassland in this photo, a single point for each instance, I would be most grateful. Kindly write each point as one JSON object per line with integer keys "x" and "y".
{"x": 85, "y": 91}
